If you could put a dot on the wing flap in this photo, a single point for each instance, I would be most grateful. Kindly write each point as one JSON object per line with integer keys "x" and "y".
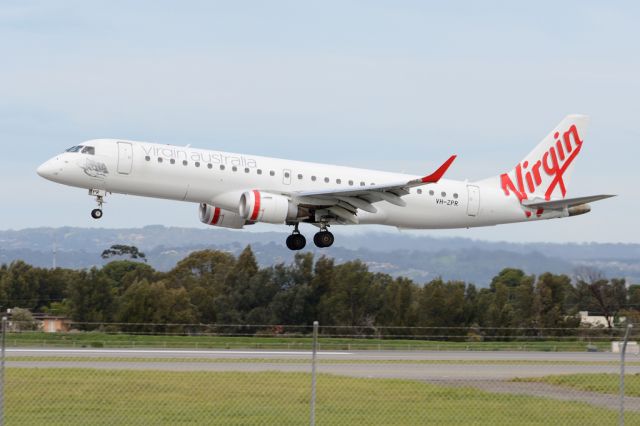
{"x": 538, "y": 203}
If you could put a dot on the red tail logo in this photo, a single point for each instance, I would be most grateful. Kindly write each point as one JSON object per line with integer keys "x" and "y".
{"x": 554, "y": 163}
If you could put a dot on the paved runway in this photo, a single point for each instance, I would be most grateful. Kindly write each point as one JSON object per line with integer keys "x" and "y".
{"x": 380, "y": 355}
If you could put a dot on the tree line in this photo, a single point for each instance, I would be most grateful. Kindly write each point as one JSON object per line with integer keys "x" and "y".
{"x": 215, "y": 287}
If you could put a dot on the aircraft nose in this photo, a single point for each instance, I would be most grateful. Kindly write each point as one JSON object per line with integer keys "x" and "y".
{"x": 48, "y": 169}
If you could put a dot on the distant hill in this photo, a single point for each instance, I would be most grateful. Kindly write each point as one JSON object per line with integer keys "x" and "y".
{"x": 419, "y": 257}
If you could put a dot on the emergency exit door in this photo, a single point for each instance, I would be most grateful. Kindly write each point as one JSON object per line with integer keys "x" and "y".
{"x": 473, "y": 204}
{"x": 125, "y": 158}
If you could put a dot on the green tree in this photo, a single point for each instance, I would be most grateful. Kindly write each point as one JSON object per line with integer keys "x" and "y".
{"x": 441, "y": 306}
{"x": 399, "y": 304}
{"x": 598, "y": 294}
{"x": 126, "y": 272}
{"x": 355, "y": 297}
{"x": 204, "y": 275}
{"x": 290, "y": 304}
{"x": 92, "y": 298}
{"x": 144, "y": 303}
{"x": 19, "y": 286}
{"x": 123, "y": 250}
{"x": 22, "y": 320}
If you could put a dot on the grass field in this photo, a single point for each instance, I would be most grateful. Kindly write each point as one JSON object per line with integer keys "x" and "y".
{"x": 120, "y": 340}
{"x": 100, "y": 397}
{"x": 602, "y": 383}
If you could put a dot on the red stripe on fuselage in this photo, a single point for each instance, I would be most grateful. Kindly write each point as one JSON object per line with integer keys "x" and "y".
{"x": 256, "y": 205}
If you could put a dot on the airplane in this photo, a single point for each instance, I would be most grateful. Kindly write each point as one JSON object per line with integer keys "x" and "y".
{"x": 235, "y": 190}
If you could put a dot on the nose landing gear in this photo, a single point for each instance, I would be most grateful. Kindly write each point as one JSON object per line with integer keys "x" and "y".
{"x": 99, "y": 194}
{"x": 96, "y": 213}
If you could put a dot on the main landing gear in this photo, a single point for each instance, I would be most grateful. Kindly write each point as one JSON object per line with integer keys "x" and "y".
{"x": 296, "y": 241}
{"x": 99, "y": 194}
{"x": 322, "y": 239}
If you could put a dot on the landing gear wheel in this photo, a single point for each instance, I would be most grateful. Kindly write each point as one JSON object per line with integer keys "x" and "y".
{"x": 96, "y": 213}
{"x": 323, "y": 239}
{"x": 296, "y": 242}
{"x": 99, "y": 194}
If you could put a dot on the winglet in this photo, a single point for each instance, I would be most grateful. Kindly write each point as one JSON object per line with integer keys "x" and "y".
{"x": 435, "y": 176}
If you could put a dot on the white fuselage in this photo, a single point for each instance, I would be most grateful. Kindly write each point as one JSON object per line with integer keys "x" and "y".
{"x": 214, "y": 177}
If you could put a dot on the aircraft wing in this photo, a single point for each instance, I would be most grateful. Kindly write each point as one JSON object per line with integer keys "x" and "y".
{"x": 539, "y": 203}
{"x": 344, "y": 202}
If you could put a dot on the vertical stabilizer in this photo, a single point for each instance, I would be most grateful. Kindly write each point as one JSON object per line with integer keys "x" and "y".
{"x": 545, "y": 172}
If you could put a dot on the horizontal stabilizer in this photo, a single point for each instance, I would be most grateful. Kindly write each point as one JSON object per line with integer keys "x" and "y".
{"x": 538, "y": 203}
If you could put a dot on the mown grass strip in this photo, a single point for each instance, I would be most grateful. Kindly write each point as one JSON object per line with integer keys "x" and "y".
{"x": 101, "y": 397}
{"x": 601, "y": 383}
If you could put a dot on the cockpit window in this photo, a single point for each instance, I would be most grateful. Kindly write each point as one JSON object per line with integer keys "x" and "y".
{"x": 75, "y": 148}
{"x": 88, "y": 150}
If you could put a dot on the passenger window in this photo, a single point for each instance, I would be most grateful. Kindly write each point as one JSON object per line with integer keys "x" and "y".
{"x": 159, "y": 159}
{"x": 209, "y": 166}
{"x": 455, "y": 195}
{"x": 444, "y": 194}
{"x": 326, "y": 180}
{"x": 234, "y": 168}
{"x": 419, "y": 191}
{"x": 338, "y": 181}
{"x": 272, "y": 173}
{"x": 246, "y": 170}
{"x": 299, "y": 177}
{"x": 172, "y": 161}
{"x": 313, "y": 178}
{"x": 431, "y": 192}
{"x": 351, "y": 183}
{"x": 286, "y": 174}
{"x": 222, "y": 167}
{"x": 147, "y": 158}
{"x": 197, "y": 164}
{"x": 184, "y": 162}
{"x": 362, "y": 184}
{"x": 88, "y": 150}
{"x": 259, "y": 171}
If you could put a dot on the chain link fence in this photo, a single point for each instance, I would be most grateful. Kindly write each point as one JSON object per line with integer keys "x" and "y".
{"x": 284, "y": 375}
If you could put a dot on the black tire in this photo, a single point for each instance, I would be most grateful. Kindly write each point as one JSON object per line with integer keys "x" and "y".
{"x": 296, "y": 242}
{"x": 96, "y": 213}
{"x": 300, "y": 241}
{"x": 323, "y": 239}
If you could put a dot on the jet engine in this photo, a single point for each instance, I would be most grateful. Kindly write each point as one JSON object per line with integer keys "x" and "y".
{"x": 258, "y": 206}
{"x": 219, "y": 217}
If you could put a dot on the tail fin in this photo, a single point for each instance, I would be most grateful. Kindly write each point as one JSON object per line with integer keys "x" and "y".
{"x": 545, "y": 172}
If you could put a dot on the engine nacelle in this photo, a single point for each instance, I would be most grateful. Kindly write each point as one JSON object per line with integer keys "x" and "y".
{"x": 258, "y": 206}
{"x": 219, "y": 217}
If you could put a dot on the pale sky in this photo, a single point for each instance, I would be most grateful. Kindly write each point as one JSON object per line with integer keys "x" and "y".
{"x": 396, "y": 85}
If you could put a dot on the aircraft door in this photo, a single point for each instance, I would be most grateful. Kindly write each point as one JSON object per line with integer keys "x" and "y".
{"x": 473, "y": 204}
{"x": 125, "y": 158}
{"x": 286, "y": 176}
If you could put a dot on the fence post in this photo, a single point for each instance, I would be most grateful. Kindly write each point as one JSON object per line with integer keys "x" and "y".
{"x": 622, "y": 354}
{"x": 2, "y": 359}
{"x": 314, "y": 351}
